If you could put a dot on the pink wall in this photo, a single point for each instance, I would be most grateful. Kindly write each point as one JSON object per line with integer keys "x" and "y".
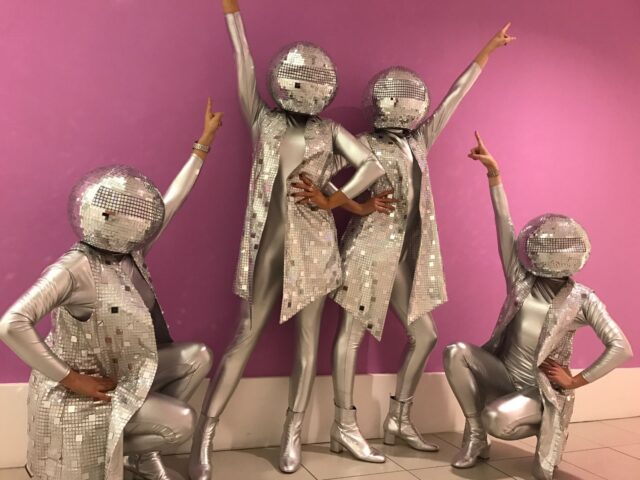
{"x": 85, "y": 84}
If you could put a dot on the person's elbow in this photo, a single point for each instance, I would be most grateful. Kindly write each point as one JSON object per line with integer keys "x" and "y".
{"x": 376, "y": 167}
{"x": 6, "y": 327}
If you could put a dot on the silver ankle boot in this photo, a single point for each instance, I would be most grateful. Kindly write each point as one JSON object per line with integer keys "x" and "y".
{"x": 200, "y": 459}
{"x": 148, "y": 466}
{"x": 291, "y": 444}
{"x": 346, "y": 434}
{"x": 398, "y": 425}
{"x": 474, "y": 445}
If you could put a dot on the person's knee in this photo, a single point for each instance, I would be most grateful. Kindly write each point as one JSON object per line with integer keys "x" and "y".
{"x": 454, "y": 353}
{"x": 202, "y": 357}
{"x": 183, "y": 422}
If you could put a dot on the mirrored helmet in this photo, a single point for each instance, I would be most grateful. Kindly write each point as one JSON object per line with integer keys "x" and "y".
{"x": 396, "y": 98}
{"x": 303, "y": 78}
{"x": 116, "y": 208}
{"x": 553, "y": 245}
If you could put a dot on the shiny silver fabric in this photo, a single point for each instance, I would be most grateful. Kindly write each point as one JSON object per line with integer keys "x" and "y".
{"x": 372, "y": 245}
{"x": 553, "y": 245}
{"x": 149, "y": 466}
{"x": 479, "y": 377}
{"x": 345, "y": 434}
{"x": 116, "y": 208}
{"x": 291, "y": 442}
{"x": 303, "y": 78}
{"x": 396, "y": 98}
{"x": 312, "y": 267}
{"x": 73, "y": 437}
{"x": 398, "y": 425}
{"x": 103, "y": 325}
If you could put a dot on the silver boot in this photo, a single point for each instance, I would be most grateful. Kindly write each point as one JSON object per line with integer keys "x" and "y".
{"x": 200, "y": 459}
{"x": 346, "y": 434}
{"x": 148, "y": 466}
{"x": 474, "y": 445}
{"x": 291, "y": 444}
{"x": 398, "y": 425}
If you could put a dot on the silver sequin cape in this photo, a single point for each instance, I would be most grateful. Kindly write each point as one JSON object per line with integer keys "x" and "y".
{"x": 312, "y": 262}
{"x": 371, "y": 245}
{"x": 72, "y": 437}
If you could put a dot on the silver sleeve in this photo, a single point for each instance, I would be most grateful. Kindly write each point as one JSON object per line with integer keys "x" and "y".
{"x": 617, "y": 347}
{"x": 251, "y": 103}
{"x": 178, "y": 191}
{"x": 17, "y": 326}
{"x": 506, "y": 236}
{"x": 368, "y": 168}
{"x": 440, "y": 117}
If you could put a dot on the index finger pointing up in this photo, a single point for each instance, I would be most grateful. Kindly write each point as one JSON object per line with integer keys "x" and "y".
{"x": 506, "y": 27}
{"x": 479, "y": 140}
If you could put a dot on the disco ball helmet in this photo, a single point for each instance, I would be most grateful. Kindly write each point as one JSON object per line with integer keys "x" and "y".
{"x": 303, "y": 78}
{"x": 553, "y": 245}
{"x": 116, "y": 208}
{"x": 396, "y": 98}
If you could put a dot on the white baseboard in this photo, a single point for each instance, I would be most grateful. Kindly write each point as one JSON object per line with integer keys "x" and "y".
{"x": 255, "y": 414}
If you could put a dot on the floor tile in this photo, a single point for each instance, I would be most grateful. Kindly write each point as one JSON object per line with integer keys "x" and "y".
{"x": 607, "y": 463}
{"x": 13, "y": 474}
{"x": 633, "y": 450}
{"x": 603, "y": 434}
{"x": 631, "y": 424}
{"x": 500, "y": 449}
{"x": 481, "y": 471}
{"x": 323, "y": 464}
{"x": 411, "y": 459}
{"x": 254, "y": 464}
{"x": 403, "y": 475}
{"x": 520, "y": 469}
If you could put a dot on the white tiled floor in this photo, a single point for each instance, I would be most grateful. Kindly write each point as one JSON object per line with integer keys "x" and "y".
{"x": 609, "y": 449}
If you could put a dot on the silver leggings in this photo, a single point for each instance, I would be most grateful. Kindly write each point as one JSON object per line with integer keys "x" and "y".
{"x": 422, "y": 337}
{"x": 165, "y": 418}
{"x": 267, "y": 289}
{"x": 484, "y": 389}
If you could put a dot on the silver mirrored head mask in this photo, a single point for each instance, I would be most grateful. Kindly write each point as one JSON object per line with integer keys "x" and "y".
{"x": 396, "y": 98}
{"x": 116, "y": 208}
{"x": 553, "y": 245}
{"x": 303, "y": 78}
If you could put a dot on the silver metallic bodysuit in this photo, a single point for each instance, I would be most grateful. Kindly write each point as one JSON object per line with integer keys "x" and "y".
{"x": 499, "y": 386}
{"x": 378, "y": 272}
{"x": 165, "y": 418}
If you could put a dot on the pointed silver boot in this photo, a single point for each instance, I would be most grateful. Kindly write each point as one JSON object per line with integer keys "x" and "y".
{"x": 474, "y": 445}
{"x": 200, "y": 459}
{"x": 346, "y": 434}
{"x": 148, "y": 466}
{"x": 291, "y": 444}
{"x": 398, "y": 425}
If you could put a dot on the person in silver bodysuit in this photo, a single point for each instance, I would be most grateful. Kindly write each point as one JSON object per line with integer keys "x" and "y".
{"x": 289, "y": 246}
{"x": 393, "y": 255}
{"x": 518, "y": 384}
{"x": 108, "y": 379}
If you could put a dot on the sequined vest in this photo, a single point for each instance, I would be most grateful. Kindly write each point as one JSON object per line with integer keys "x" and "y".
{"x": 371, "y": 245}
{"x": 311, "y": 259}
{"x": 73, "y": 437}
{"x": 556, "y": 342}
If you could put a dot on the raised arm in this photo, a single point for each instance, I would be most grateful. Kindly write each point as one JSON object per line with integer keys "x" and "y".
{"x": 441, "y": 115}
{"x": 504, "y": 226}
{"x": 181, "y": 186}
{"x": 617, "y": 348}
{"x": 250, "y": 102}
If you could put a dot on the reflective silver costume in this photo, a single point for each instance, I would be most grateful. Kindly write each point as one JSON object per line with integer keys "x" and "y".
{"x": 396, "y": 258}
{"x": 287, "y": 248}
{"x": 107, "y": 322}
{"x": 499, "y": 386}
